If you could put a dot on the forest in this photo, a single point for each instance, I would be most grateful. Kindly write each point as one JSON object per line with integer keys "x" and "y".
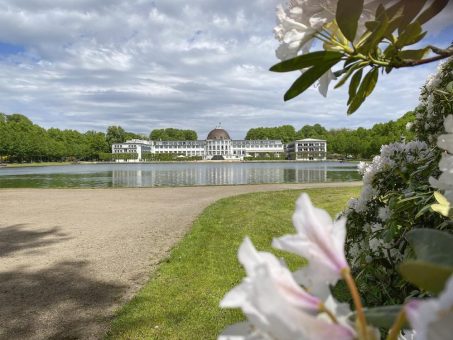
{"x": 23, "y": 141}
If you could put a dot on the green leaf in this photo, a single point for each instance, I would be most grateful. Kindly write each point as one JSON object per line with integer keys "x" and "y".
{"x": 354, "y": 84}
{"x": 431, "y": 11}
{"x": 425, "y": 275}
{"x": 308, "y": 78}
{"x": 349, "y": 72}
{"x": 391, "y": 12}
{"x": 382, "y": 317}
{"x": 411, "y": 35}
{"x": 422, "y": 211}
{"x": 432, "y": 245}
{"x": 410, "y": 11}
{"x": 393, "y": 15}
{"x": 413, "y": 54}
{"x": 449, "y": 87}
{"x": 365, "y": 89}
{"x": 306, "y": 60}
{"x": 375, "y": 37}
{"x": 347, "y": 16}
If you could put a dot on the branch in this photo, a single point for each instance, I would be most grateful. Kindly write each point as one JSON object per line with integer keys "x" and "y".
{"x": 441, "y": 54}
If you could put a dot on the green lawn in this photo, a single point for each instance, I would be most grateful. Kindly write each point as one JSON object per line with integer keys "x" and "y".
{"x": 22, "y": 165}
{"x": 181, "y": 299}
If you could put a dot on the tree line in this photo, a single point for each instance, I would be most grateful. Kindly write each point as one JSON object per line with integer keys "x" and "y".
{"x": 358, "y": 143}
{"x": 23, "y": 141}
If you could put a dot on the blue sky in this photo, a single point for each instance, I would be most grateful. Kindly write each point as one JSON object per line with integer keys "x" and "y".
{"x": 143, "y": 65}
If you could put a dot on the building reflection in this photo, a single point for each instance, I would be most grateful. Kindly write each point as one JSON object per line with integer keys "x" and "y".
{"x": 216, "y": 175}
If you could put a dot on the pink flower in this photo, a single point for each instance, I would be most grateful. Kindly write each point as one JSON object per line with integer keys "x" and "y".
{"x": 319, "y": 240}
{"x": 433, "y": 318}
{"x": 275, "y": 304}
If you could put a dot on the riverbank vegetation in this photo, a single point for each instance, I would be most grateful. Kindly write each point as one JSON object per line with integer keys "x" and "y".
{"x": 23, "y": 141}
{"x": 181, "y": 300}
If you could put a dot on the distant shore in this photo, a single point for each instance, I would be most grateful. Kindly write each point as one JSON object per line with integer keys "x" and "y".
{"x": 44, "y": 164}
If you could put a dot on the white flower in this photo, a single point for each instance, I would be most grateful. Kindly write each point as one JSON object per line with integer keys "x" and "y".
{"x": 298, "y": 23}
{"x": 407, "y": 335}
{"x": 376, "y": 244}
{"x": 361, "y": 167}
{"x": 275, "y": 304}
{"x": 319, "y": 240}
{"x": 384, "y": 213}
{"x": 368, "y": 192}
{"x": 433, "y": 318}
{"x": 445, "y": 180}
{"x": 445, "y": 141}
{"x": 324, "y": 82}
{"x": 352, "y": 203}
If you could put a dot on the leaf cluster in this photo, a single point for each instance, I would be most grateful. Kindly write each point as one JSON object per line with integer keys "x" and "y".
{"x": 382, "y": 47}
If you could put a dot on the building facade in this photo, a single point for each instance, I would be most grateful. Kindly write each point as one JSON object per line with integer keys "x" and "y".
{"x": 136, "y": 147}
{"x": 308, "y": 149}
{"x": 219, "y": 146}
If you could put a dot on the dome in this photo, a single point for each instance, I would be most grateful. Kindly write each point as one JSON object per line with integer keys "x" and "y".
{"x": 219, "y": 134}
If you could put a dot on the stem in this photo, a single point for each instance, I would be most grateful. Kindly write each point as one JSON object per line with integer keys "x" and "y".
{"x": 346, "y": 274}
{"x": 425, "y": 61}
{"x": 397, "y": 325}
{"x": 324, "y": 309}
{"x": 320, "y": 37}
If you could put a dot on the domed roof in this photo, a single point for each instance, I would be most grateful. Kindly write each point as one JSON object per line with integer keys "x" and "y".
{"x": 218, "y": 133}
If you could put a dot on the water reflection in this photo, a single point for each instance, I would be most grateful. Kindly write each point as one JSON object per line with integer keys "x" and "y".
{"x": 225, "y": 176}
{"x": 185, "y": 174}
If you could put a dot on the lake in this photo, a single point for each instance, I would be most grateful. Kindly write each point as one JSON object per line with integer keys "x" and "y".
{"x": 132, "y": 175}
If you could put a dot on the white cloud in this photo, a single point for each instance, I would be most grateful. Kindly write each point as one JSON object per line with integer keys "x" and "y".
{"x": 150, "y": 64}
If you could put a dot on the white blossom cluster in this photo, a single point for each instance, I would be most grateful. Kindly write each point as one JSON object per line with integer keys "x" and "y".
{"x": 431, "y": 112}
{"x": 393, "y": 156}
{"x": 445, "y": 142}
{"x": 401, "y": 157}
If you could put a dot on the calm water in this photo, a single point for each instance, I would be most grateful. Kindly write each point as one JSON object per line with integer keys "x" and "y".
{"x": 179, "y": 174}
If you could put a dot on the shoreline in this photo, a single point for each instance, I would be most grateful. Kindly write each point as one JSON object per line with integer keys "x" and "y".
{"x": 48, "y": 164}
{"x": 308, "y": 184}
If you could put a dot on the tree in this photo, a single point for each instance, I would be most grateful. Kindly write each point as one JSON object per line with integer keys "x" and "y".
{"x": 285, "y": 133}
{"x": 172, "y": 134}
{"x": 96, "y": 143}
{"x": 115, "y": 134}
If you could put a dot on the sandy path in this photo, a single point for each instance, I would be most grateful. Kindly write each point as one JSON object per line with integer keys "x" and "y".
{"x": 69, "y": 258}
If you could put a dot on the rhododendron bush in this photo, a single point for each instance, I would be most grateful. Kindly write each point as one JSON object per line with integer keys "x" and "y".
{"x": 391, "y": 250}
{"x": 402, "y": 189}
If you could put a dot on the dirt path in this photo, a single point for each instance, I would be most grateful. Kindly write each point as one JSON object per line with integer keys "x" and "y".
{"x": 70, "y": 257}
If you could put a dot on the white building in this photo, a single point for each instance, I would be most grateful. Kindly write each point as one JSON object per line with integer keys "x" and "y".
{"x": 219, "y": 146}
{"x": 133, "y": 146}
{"x": 308, "y": 149}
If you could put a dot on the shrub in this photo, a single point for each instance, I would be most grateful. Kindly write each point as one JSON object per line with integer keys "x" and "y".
{"x": 397, "y": 196}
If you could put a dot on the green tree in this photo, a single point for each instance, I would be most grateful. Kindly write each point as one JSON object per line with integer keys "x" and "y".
{"x": 172, "y": 134}
{"x": 115, "y": 134}
{"x": 96, "y": 143}
{"x": 285, "y": 133}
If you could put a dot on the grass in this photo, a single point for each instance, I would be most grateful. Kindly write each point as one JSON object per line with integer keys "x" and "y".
{"x": 34, "y": 164}
{"x": 181, "y": 299}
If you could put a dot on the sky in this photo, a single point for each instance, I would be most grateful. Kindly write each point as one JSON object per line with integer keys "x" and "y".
{"x": 144, "y": 65}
